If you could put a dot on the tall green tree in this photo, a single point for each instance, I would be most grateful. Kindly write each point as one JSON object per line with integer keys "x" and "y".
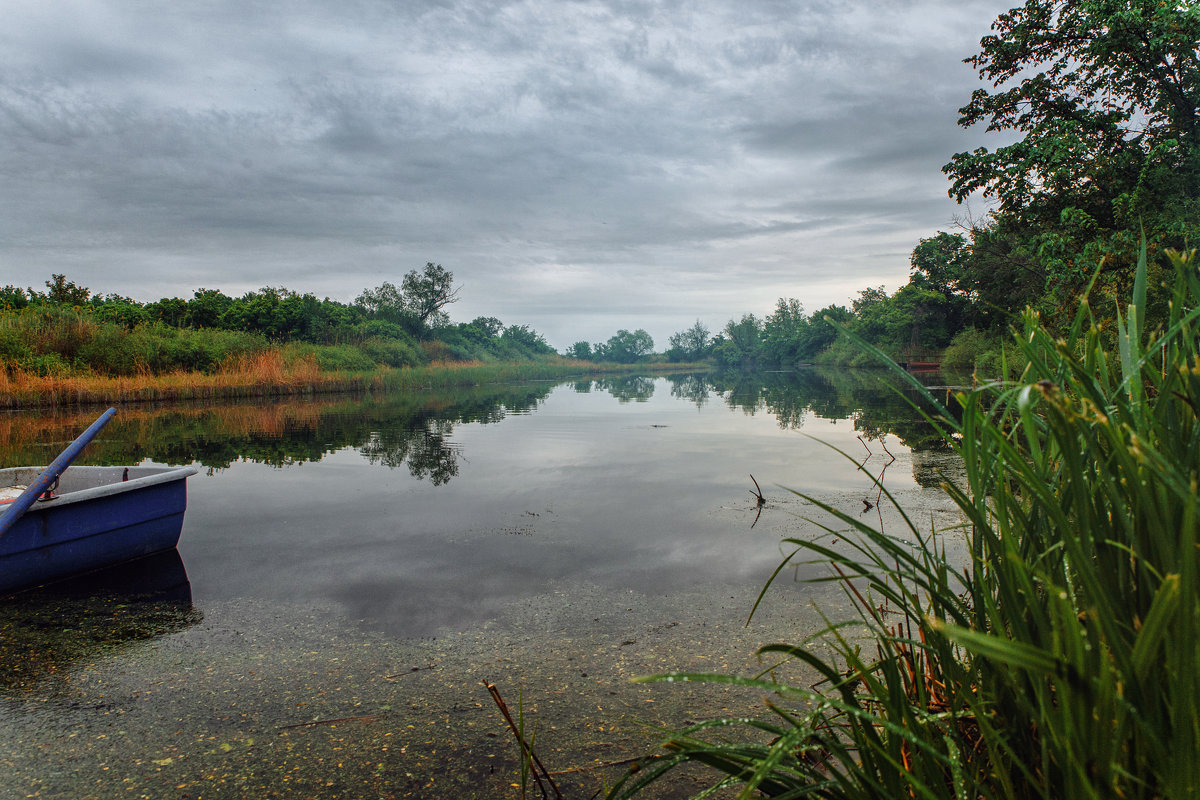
{"x": 941, "y": 263}
{"x": 1104, "y": 98}
{"x": 427, "y": 292}
{"x": 63, "y": 292}
{"x": 626, "y": 347}
{"x": 489, "y": 326}
{"x": 740, "y": 344}
{"x": 783, "y": 332}
{"x": 527, "y": 338}
{"x": 691, "y": 344}
{"x": 581, "y": 350}
{"x": 206, "y": 308}
{"x": 386, "y": 303}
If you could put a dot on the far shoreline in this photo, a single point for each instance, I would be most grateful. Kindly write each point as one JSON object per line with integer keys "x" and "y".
{"x": 266, "y": 376}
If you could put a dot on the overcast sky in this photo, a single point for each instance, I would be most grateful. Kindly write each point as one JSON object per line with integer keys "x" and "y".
{"x": 579, "y": 166}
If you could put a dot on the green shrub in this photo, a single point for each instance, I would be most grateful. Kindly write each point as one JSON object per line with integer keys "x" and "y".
{"x": 165, "y": 348}
{"x": 392, "y": 352}
{"x": 844, "y": 352}
{"x": 967, "y": 348}
{"x": 13, "y": 347}
{"x": 109, "y": 351}
{"x": 437, "y": 351}
{"x": 336, "y": 357}
{"x": 461, "y": 350}
{"x": 378, "y": 328}
{"x": 46, "y": 364}
{"x": 1062, "y": 660}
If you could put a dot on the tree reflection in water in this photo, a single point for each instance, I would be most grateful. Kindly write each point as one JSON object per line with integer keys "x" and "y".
{"x": 416, "y": 431}
{"x": 628, "y": 388}
{"x": 696, "y": 389}
{"x": 426, "y": 450}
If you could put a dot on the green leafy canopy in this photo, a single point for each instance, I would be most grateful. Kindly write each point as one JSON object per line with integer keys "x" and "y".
{"x": 1106, "y": 96}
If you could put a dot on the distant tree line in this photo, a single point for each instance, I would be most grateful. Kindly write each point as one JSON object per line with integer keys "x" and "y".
{"x": 623, "y": 347}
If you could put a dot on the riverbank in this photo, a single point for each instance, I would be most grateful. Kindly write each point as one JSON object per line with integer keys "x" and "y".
{"x": 269, "y": 375}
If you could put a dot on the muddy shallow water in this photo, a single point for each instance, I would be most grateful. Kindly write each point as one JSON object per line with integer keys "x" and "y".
{"x": 352, "y": 582}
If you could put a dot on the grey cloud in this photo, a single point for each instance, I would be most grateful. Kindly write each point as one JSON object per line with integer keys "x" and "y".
{"x": 573, "y": 164}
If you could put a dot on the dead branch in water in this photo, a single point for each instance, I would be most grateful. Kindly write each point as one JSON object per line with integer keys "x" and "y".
{"x": 761, "y": 500}
{"x": 535, "y": 764}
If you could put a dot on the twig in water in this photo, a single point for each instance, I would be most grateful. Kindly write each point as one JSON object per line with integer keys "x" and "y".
{"x": 410, "y": 672}
{"x": 537, "y": 768}
{"x": 363, "y": 718}
{"x": 762, "y": 501}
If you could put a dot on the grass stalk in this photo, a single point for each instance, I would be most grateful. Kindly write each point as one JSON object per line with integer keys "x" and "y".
{"x": 531, "y": 765}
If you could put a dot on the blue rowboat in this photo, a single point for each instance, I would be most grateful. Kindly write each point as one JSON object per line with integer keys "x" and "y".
{"x": 98, "y": 517}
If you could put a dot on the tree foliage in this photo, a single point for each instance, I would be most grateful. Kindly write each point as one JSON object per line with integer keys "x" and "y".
{"x": 692, "y": 344}
{"x": 1116, "y": 92}
{"x": 427, "y": 292}
{"x": 580, "y": 350}
{"x": 740, "y": 344}
{"x": 527, "y": 338}
{"x": 63, "y": 292}
{"x": 625, "y": 347}
{"x": 1104, "y": 96}
{"x": 940, "y": 263}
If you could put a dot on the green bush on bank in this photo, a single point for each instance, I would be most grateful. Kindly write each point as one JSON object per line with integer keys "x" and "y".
{"x": 974, "y": 350}
{"x": 844, "y": 353}
{"x": 68, "y": 330}
{"x": 56, "y": 341}
{"x": 392, "y": 352}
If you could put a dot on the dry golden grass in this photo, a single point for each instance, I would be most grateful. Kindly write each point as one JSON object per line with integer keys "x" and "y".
{"x": 268, "y": 373}
{"x": 263, "y": 374}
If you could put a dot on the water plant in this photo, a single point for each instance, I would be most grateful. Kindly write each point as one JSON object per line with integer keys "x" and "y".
{"x": 1060, "y": 655}
{"x": 531, "y": 766}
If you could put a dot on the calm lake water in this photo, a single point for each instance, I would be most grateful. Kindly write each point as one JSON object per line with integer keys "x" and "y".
{"x": 352, "y": 568}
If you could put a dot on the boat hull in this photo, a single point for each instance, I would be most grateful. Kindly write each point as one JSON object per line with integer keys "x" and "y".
{"x": 98, "y": 520}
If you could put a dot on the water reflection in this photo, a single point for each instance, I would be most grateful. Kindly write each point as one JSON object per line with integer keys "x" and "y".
{"x": 425, "y": 448}
{"x": 393, "y": 430}
{"x": 696, "y": 389}
{"x": 417, "y": 431}
{"x": 878, "y": 402}
{"x": 628, "y": 388}
{"x": 421, "y": 513}
{"x": 46, "y": 633}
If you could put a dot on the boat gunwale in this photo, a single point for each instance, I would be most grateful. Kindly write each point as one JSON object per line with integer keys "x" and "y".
{"x": 166, "y": 475}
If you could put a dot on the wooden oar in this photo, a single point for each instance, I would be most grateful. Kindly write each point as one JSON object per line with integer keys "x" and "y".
{"x": 50, "y": 474}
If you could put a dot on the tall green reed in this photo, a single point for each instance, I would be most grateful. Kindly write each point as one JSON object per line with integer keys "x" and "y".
{"x": 1061, "y": 659}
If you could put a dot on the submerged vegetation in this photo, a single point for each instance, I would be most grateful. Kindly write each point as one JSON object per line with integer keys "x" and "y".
{"x": 1062, "y": 659}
